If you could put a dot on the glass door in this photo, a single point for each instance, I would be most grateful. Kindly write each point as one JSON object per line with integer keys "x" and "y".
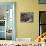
{"x": 7, "y": 11}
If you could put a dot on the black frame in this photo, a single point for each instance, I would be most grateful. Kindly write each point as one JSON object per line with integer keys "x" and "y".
{"x": 24, "y": 20}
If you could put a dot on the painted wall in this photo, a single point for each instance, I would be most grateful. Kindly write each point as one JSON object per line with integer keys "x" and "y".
{"x": 26, "y": 30}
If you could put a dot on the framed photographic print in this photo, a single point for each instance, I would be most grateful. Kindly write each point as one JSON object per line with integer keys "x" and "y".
{"x": 26, "y": 17}
{"x": 42, "y": 1}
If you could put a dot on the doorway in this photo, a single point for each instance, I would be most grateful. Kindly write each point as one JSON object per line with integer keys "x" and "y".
{"x": 7, "y": 21}
{"x": 42, "y": 22}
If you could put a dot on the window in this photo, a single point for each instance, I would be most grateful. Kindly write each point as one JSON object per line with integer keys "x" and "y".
{"x": 42, "y": 22}
{"x": 42, "y": 1}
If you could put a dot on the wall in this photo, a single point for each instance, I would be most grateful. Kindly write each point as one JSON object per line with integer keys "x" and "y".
{"x": 42, "y": 7}
{"x": 28, "y": 30}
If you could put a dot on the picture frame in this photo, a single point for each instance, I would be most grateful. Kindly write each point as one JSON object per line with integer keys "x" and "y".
{"x": 26, "y": 17}
{"x": 42, "y": 1}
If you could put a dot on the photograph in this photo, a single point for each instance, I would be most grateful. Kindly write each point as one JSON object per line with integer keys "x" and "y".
{"x": 26, "y": 17}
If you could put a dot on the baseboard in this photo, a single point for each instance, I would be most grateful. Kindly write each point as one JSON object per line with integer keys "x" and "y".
{"x": 24, "y": 39}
